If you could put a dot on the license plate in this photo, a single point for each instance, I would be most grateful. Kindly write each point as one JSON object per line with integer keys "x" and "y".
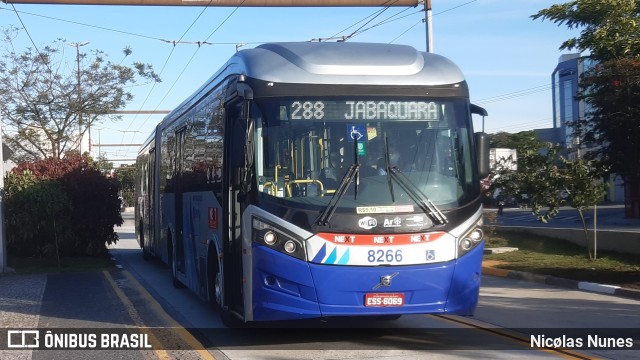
{"x": 383, "y": 299}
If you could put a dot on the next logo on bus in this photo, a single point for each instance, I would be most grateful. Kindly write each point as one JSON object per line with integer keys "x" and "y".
{"x": 383, "y": 239}
{"x": 420, "y": 238}
{"x": 343, "y": 239}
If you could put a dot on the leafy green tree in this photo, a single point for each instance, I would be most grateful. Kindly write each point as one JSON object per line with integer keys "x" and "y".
{"x": 537, "y": 180}
{"x": 104, "y": 165}
{"x": 542, "y": 178}
{"x": 582, "y": 180}
{"x": 608, "y": 28}
{"x": 612, "y": 90}
{"x": 126, "y": 177}
{"x": 501, "y": 140}
{"x": 44, "y": 97}
{"x": 609, "y": 33}
{"x": 519, "y": 141}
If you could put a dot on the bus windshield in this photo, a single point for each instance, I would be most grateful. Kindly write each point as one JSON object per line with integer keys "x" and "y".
{"x": 304, "y": 147}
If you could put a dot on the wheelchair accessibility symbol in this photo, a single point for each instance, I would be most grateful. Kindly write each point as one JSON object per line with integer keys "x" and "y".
{"x": 431, "y": 255}
{"x": 356, "y": 132}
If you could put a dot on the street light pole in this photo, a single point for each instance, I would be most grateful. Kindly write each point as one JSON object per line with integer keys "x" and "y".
{"x": 80, "y": 130}
{"x": 428, "y": 20}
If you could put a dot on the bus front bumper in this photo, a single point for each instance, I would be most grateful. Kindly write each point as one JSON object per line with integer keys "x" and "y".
{"x": 285, "y": 288}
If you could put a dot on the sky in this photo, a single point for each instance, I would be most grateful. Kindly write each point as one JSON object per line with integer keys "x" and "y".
{"x": 507, "y": 58}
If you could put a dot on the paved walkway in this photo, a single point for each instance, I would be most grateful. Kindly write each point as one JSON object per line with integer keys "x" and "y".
{"x": 20, "y": 302}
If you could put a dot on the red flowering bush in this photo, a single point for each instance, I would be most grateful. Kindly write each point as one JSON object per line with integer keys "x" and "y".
{"x": 66, "y": 205}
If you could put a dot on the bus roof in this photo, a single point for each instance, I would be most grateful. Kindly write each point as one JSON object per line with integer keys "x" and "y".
{"x": 345, "y": 63}
{"x": 339, "y": 63}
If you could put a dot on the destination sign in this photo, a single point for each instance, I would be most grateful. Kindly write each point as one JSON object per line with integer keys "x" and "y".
{"x": 370, "y": 110}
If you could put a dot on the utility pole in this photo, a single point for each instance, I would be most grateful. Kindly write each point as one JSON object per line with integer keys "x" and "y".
{"x": 3, "y": 245}
{"x": 80, "y": 130}
{"x": 428, "y": 20}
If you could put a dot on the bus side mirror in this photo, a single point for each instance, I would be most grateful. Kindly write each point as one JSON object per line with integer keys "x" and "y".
{"x": 482, "y": 152}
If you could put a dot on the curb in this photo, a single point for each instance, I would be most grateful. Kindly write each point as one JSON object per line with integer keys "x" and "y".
{"x": 566, "y": 283}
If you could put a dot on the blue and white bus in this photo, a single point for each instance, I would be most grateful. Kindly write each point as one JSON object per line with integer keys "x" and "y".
{"x": 307, "y": 180}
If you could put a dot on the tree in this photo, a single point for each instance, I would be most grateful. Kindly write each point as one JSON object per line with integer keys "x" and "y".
{"x": 609, "y": 28}
{"x": 609, "y": 32}
{"x": 42, "y": 98}
{"x": 542, "y": 177}
{"x": 501, "y": 140}
{"x": 582, "y": 181}
{"x": 126, "y": 177}
{"x": 612, "y": 90}
{"x": 537, "y": 180}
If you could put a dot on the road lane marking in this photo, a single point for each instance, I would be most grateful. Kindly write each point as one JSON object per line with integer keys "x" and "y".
{"x": 157, "y": 308}
{"x": 516, "y": 337}
{"x": 160, "y": 354}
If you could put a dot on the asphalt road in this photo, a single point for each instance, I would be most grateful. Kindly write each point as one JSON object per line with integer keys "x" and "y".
{"x": 608, "y": 217}
{"x": 140, "y": 299}
{"x": 504, "y": 304}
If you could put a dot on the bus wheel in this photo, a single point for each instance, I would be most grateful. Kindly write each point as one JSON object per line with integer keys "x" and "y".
{"x": 174, "y": 267}
{"x": 145, "y": 254}
{"x": 214, "y": 280}
{"x": 216, "y": 291}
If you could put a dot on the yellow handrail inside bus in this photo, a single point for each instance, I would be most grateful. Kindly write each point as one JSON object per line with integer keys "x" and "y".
{"x": 303, "y": 181}
{"x": 273, "y": 186}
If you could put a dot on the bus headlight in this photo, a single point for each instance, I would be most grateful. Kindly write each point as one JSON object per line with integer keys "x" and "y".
{"x": 466, "y": 244}
{"x": 277, "y": 238}
{"x": 476, "y": 235}
{"x": 290, "y": 247}
{"x": 270, "y": 237}
{"x": 470, "y": 240}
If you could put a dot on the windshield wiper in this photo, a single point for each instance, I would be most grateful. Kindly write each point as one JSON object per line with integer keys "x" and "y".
{"x": 412, "y": 190}
{"x": 347, "y": 179}
{"x": 327, "y": 213}
{"x": 388, "y": 167}
{"x": 419, "y": 197}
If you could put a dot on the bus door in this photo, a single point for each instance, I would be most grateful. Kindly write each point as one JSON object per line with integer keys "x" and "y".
{"x": 234, "y": 164}
{"x": 179, "y": 189}
{"x": 149, "y": 235}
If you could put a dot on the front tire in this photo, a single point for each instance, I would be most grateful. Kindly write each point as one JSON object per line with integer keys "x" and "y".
{"x": 216, "y": 291}
{"x": 145, "y": 254}
{"x": 174, "y": 267}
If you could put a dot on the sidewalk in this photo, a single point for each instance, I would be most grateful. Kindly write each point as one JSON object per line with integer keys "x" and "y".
{"x": 489, "y": 268}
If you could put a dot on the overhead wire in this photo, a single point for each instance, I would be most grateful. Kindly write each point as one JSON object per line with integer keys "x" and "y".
{"x": 335, "y": 36}
{"x": 164, "y": 66}
{"x": 515, "y": 94}
{"x": 388, "y": 20}
{"x": 524, "y": 126}
{"x": 378, "y": 13}
{"x": 191, "y": 59}
{"x": 40, "y": 54}
{"x": 423, "y": 20}
{"x": 367, "y": 20}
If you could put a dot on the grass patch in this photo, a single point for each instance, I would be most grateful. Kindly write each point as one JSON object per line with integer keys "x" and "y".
{"x": 29, "y": 265}
{"x": 550, "y": 256}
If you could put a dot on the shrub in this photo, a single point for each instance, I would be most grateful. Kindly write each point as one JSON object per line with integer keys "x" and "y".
{"x": 38, "y": 219}
{"x": 96, "y": 208}
{"x": 65, "y": 205}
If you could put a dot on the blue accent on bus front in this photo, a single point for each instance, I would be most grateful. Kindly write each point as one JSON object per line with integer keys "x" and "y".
{"x": 344, "y": 260}
{"x": 332, "y": 257}
{"x": 288, "y": 288}
{"x": 320, "y": 255}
